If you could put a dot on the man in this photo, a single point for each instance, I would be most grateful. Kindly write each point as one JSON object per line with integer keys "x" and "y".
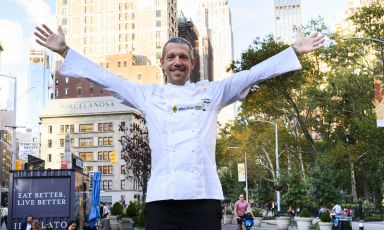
{"x": 26, "y": 225}
{"x": 337, "y": 209}
{"x": 184, "y": 190}
{"x": 240, "y": 208}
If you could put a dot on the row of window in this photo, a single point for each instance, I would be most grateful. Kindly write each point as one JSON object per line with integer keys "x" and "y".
{"x": 101, "y": 168}
{"x": 84, "y": 128}
{"x": 86, "y": 142}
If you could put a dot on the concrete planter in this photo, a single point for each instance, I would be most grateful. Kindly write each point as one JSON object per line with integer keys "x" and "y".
{"x": 113, "y": 222}
{"x": 257, "y": 221}
{"x": 227, "y": 219}
{"x": 303, "y": 223}
{"x": 282, "y": 222}
{"x": 325, "y": 225}
{"x": 126, "y": 223}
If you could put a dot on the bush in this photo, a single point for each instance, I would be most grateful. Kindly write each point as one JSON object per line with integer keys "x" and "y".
{"x": 305, "y": 213}
{"x": 117, "y": 209}
{"x": 228, "y": 211}
{"x": 257, "y": 212}
{"x": 325, "y": 217}
{"x": 141, "y": 219}
{"x": 132, "y": 210}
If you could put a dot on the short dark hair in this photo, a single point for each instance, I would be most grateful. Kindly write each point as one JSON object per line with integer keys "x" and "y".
{"x": 179, "y": 40}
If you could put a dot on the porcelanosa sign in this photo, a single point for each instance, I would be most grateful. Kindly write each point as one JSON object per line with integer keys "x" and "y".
{"x": 87, "y": 105}
{"x": 42, "y": 197}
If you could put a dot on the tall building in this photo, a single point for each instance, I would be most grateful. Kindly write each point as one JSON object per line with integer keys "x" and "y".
{"x": 187, "y": 30}
{"x": 5, "y": 163}
{"x": 93, "y": 127}
{"x": 98, "y": 29}
{"x": 38, "y": 89}
{"x": 214, "y": 21}
{"x": 287, "y": 18}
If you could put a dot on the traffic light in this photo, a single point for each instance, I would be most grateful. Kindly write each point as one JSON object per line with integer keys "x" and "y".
{"x": 113, "y": 157}
{"x": 19, "y": 165}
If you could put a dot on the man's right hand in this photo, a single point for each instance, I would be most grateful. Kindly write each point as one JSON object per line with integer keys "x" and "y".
{"x": 54, "y": 42}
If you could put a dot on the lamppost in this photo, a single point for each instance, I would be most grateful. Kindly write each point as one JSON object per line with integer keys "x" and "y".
{"x": 246, "y": 173}
{"x": 277, "y": 159}
{"x": 14, "y": 119}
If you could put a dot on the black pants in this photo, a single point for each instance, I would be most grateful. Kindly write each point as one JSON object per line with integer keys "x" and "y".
{"x": 183, "y": 215}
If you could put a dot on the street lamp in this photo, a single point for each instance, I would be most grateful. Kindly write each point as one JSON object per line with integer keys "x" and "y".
{"x": 277, "y": 158}
{"x": 246, "y": 173}
{"x": 14, "y": 119}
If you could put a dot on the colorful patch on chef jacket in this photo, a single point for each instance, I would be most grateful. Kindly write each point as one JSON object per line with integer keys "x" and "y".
{"x": 201, "y": 107}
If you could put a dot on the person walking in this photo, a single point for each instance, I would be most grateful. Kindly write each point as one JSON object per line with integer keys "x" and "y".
{"x": 35, "y": 225}
{"x": 27, "y": 224}
{"x": 4, "y": 216}
{"x": 182, "y": 123}
{"x": 240, "y": 208}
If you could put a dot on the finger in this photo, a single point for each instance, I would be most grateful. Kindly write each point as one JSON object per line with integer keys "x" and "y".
{"x": 47, "y": 29}
{"x": 41, "y": 43}
{"x": 314, "y": 35}
{"x": 40, "y": 36}
{"x": 42, "y": 31}
{"x": 298, "y": 31}
{"x": 60, "y": 30}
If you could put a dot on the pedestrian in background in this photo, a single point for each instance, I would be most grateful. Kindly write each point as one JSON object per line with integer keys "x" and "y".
{"x": 35, "y": 225}
{"x": 4, "y": 216}
{"x": 27, "y": 224}
{"x": 182, "y": 123}
{"x": 72, "y": 225}
{"x": 240, "y": 208}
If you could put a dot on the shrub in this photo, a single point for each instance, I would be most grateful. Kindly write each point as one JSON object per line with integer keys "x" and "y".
{"x": 117, "y": 209}
{"x": 325, "y": 217}
{"x": 228, "y": 211}
{"x": 257, "y": 212}
{"x": 305, "y": 213}
{"x": 132, "y": 210}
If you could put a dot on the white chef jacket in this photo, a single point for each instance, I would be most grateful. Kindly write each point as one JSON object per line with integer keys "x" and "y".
{"x": 181, "y": 121}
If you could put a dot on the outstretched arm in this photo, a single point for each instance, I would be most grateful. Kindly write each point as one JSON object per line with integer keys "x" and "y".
{"x": 303, "y": 45}
{"x": 54, "y": 42}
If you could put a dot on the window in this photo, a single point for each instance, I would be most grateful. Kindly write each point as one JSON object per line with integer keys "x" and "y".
{"x": 91, "y": 90}
{"x": 158, "y": 13}
{"x": 104, "y": 155}
{"x": 125, "y": 63}
{"x": 64, "y": 21}
{"x": 139, "y": 76}
{"x": 61, "y": 142}
{"x": 122, "y": 184}
{"x": 84, "y": 142}
{"x": 122, "y": 171}
{"x": 122, "y": 125}
{"x": 66, "y": 128}
{"x": 157, "y": 34}
{"x": 66, "y": 81}
{"x": 57, "y": 82}
{"x": 50, "y": 129}
{"x": 49, "y": 143}
{"x": 86, "y": 156}
{"x": 49, "y": 158}
{"x": 104, "y": 127}
{"x": 107, "y": 65}
{"x": 86, "y": 128}
{"x": 79, "y": 91}
{"x": 118, "y": 64}
{"x": 109, "y": 184}
{"x": 88, "y": 169}
{"x": 61, "y": 156}
{"x": 105, "y": 169}
{"x": 158, "y": 44}
{"x": 102, "y": 141}
{"x": 72, "y": 128}
{"x": 66, "y": 91}
{"x": 158, "y": 23}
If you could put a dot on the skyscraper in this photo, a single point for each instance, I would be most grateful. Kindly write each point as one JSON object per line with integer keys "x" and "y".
{"x": 214, "y": 20}
{"x": 287, "y": 17}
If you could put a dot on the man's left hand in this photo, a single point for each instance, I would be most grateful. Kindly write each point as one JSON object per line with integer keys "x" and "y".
{"x": 308, "y": 44}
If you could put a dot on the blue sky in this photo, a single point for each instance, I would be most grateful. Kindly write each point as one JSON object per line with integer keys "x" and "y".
{"x": 250, "y": 18}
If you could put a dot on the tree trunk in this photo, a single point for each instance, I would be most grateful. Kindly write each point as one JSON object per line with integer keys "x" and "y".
{"x": 353, "y": 181}
{"x": 366, "y": 190}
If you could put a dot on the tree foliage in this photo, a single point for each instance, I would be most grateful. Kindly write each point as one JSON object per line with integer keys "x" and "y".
{"x": 137, "y": 154}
